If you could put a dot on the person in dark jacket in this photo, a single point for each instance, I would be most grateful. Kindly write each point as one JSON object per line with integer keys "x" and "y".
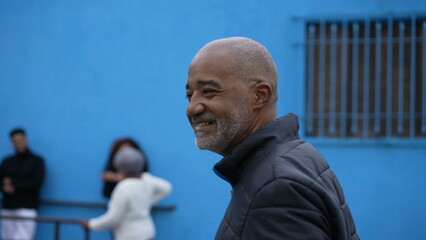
{"x": 21, "y": 177}
{"x": 282, "y": 187}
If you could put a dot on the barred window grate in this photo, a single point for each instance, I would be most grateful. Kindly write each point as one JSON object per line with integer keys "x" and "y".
{"x": 366, "y": 78}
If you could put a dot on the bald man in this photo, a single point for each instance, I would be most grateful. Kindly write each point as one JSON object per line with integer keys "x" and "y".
{"x": 282, "y": 187}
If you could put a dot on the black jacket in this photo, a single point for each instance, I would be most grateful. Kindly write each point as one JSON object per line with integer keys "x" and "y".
{"x": 27, "y": 173}
{"x": 282, "y": 188}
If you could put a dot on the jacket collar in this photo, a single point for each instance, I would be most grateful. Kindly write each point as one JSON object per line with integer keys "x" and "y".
{"x": 283, "y": 129}
{"x": 23, "y": 154}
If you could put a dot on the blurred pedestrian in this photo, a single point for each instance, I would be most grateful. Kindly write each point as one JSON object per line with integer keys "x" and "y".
{"x": 129, "y": 209}
{"x": 21, "y": 176}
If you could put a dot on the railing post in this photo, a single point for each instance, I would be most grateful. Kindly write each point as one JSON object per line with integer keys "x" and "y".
{"x": 86, "y": 234}
{"x": 57, "y": 230}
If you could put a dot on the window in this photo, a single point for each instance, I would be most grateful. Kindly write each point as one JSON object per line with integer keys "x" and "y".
{"x": 366, "y": 78}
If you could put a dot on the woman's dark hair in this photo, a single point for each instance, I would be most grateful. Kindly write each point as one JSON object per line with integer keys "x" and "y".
{"x": 109, "y": 186}
{"x": 120, "y": 142}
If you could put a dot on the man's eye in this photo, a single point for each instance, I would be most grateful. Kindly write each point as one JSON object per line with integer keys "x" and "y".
{"x": 188, "y": 96}
{"x": 207, "y": 91}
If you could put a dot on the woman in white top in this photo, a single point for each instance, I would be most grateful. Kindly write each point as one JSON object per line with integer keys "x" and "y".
{"x": 129, "y": 210}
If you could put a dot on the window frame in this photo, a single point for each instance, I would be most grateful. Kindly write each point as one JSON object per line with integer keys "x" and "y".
{"x": 381, "y": 140}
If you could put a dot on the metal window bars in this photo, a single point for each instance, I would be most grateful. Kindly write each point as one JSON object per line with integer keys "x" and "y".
{"x": 366, "y": 77}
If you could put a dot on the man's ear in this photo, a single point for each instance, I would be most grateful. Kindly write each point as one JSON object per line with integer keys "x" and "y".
{"x": 262, "y": 94}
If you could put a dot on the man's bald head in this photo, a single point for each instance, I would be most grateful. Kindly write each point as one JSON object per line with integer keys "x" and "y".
{"x": 252, "y": 62}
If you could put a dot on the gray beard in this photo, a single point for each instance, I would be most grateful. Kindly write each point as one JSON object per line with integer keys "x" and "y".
{"x": 227, "y": 129}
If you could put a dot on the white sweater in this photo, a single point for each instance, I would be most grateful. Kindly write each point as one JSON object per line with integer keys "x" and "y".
{"x": 129, "y": 210}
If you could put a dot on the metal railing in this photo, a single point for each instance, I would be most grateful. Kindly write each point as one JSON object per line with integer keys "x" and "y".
{"x": 97, "y": 205}
{"x": 58, "y": 221}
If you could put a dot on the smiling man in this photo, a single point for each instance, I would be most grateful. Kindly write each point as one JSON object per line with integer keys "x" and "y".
{"x": 282, "y": 187}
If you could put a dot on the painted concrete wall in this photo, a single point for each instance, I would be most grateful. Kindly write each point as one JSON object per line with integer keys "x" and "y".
{"x": 78, "y": 74}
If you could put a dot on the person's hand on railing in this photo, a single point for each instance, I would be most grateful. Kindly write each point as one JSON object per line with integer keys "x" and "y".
{"x": 85, "y": 223}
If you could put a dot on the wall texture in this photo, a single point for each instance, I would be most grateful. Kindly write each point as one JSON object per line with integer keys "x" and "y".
{"x": 78, "y": 74}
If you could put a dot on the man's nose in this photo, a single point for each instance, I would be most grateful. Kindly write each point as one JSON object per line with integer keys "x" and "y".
{"x": 195, "y": 106}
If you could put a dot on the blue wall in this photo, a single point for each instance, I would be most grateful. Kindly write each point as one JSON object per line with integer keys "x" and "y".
{"x": 78, "y": 74}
